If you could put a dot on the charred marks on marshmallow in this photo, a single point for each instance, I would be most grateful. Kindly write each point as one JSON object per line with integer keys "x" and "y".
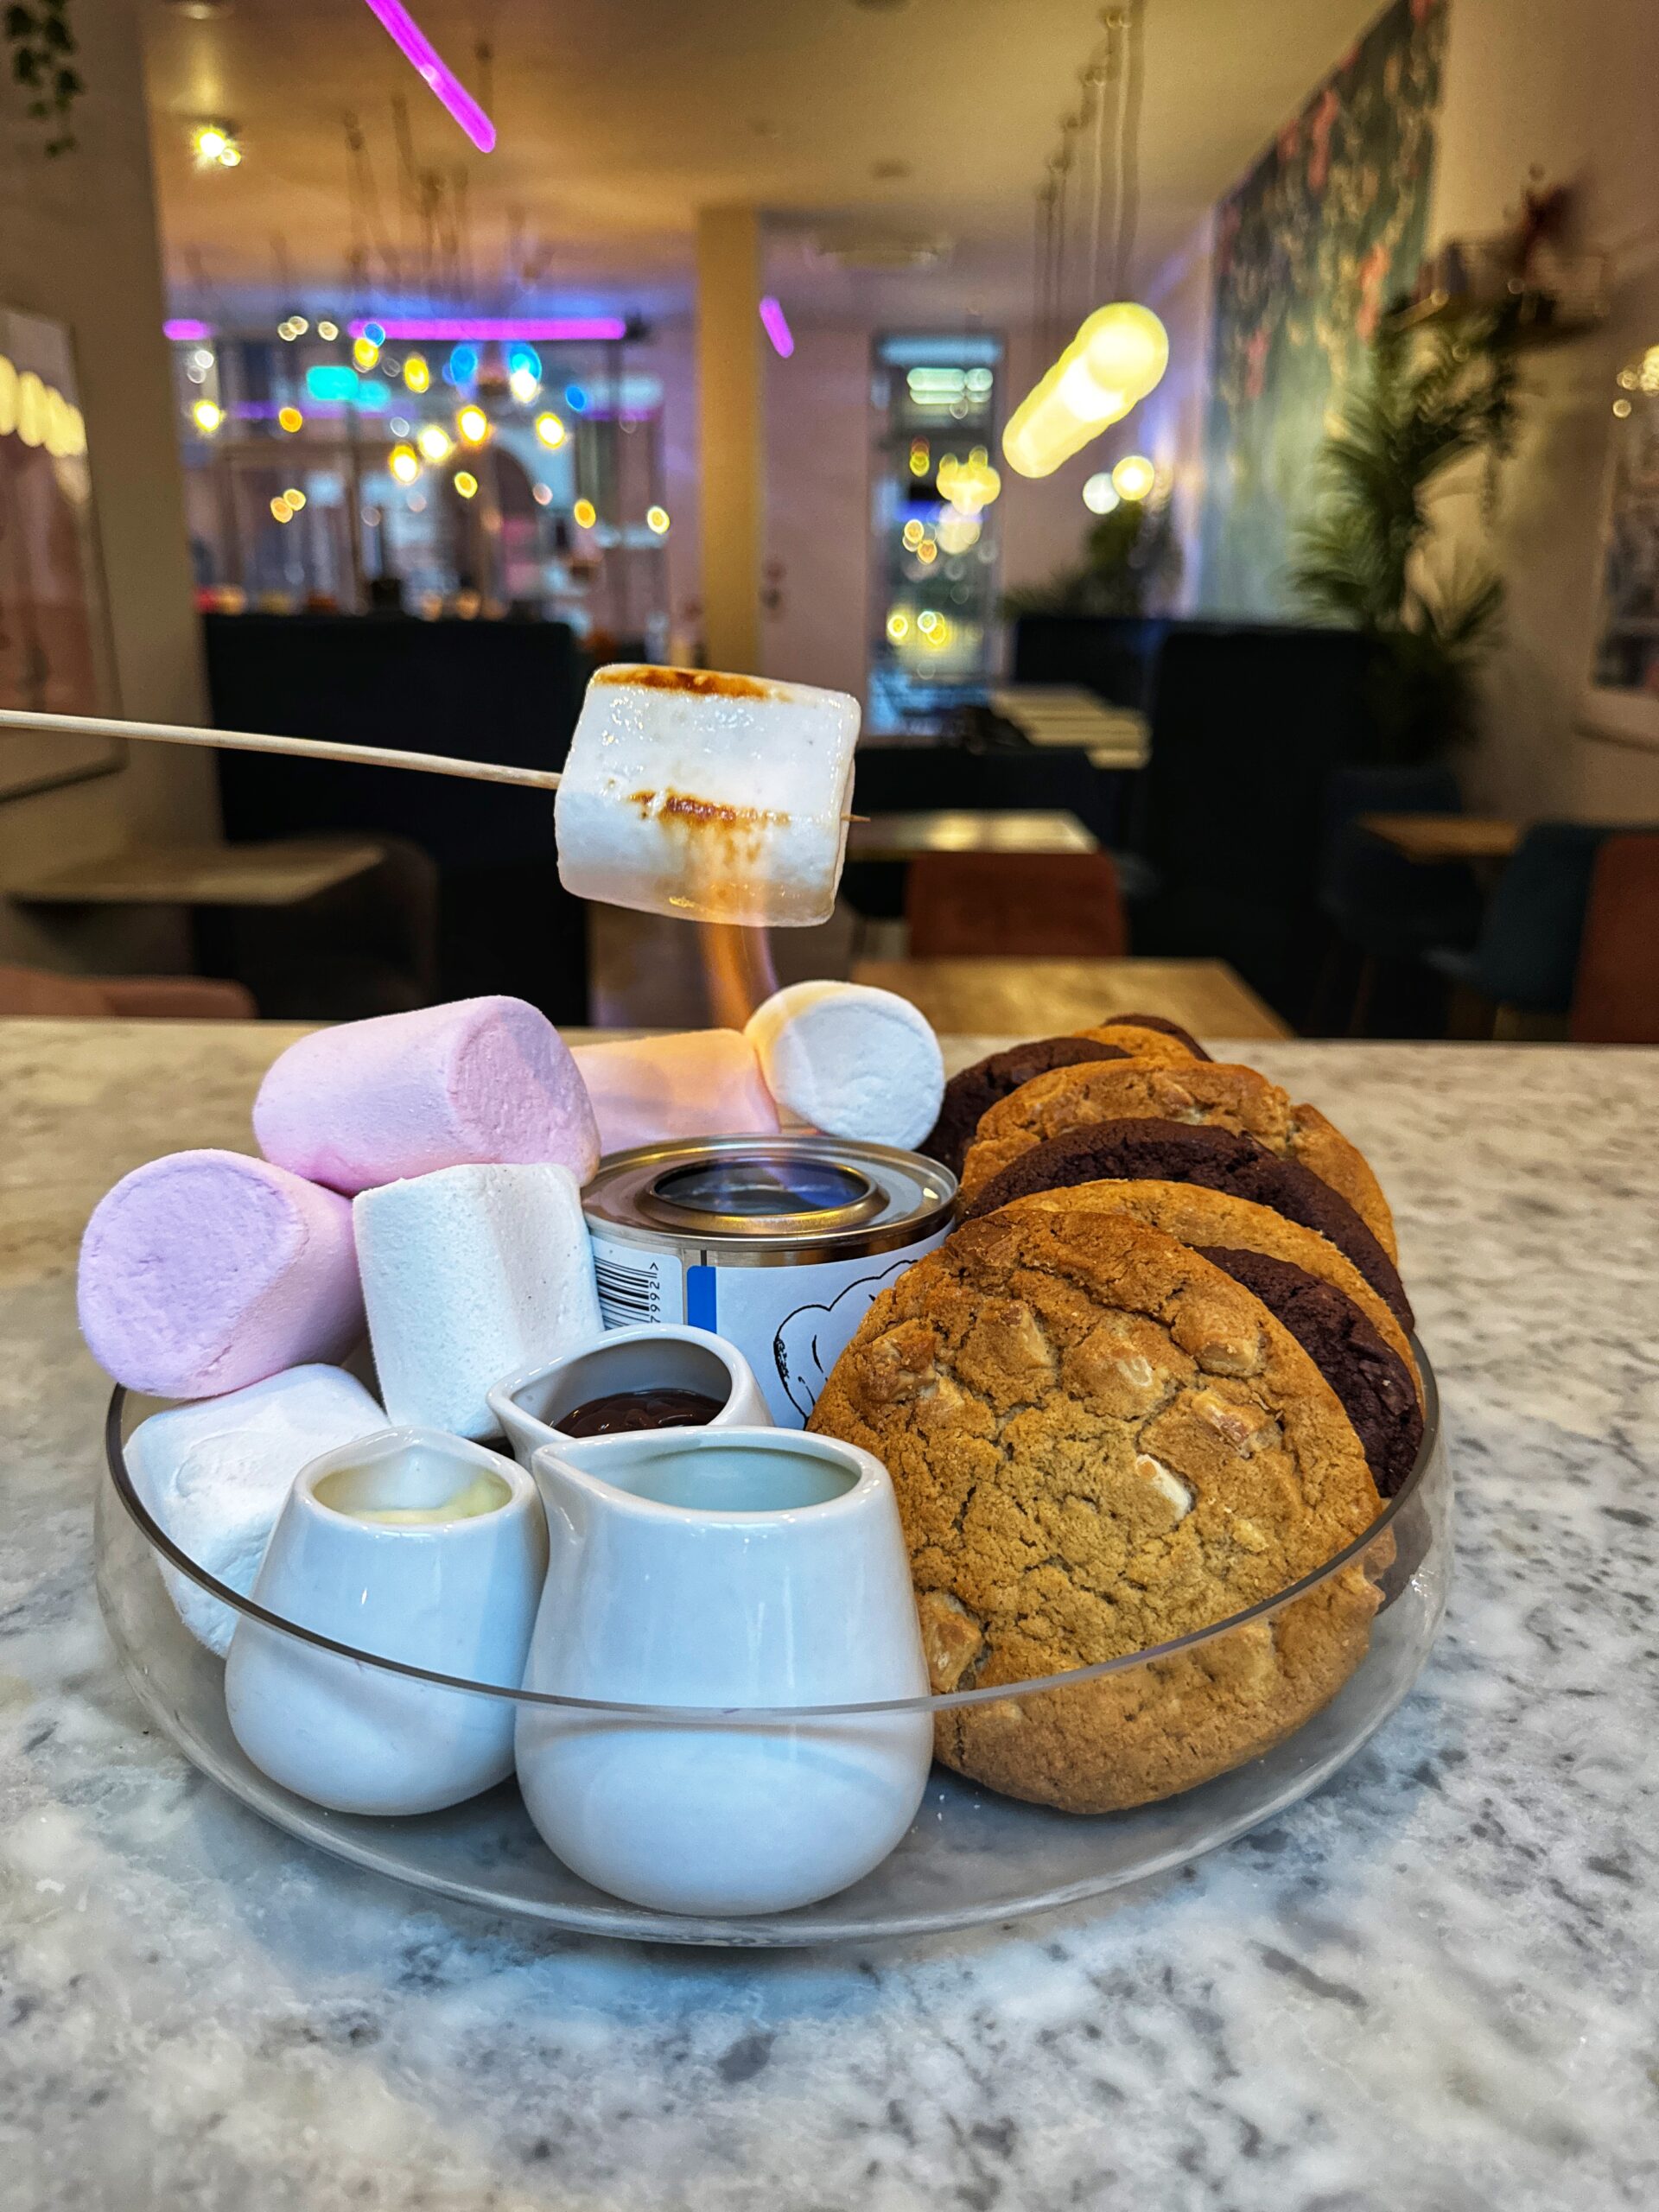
{"x": 724, "y": 847}
{"x": 706, "y": 812}
{"x": 699, "y": 683}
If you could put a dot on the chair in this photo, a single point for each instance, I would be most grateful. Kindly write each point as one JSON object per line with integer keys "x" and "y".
{"x": 368, "y": 946}
{"x": 1616, "y": 992}
{"x": 1526, "y": 956}
{"x": 1029, "y": 905}
{"x": 1379, "y": 904}
{"x": 1248, "y": 721}
{"x": 35, "y": 991}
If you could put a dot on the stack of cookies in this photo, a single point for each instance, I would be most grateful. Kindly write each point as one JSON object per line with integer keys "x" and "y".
{"x": 1159, "y": 1373}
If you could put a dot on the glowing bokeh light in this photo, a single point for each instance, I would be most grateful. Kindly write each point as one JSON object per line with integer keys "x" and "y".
{"x": 206, "y": 417}
{"x": 550, "y": 431}
{"x": 435, "y": 442}
{"x": 586, "y": 513}
{"x": 1100, "y": 494}
{"x": 434, "y": 71}
{"x": 657, "y": 520}
{"x": 290, "y": 419}
{"x": 1133, "y": 476}
{"x": 416, "y": 375}
{"x": 969, "y": 484}
{"x": 466, "y": 483}
{"x": 404, "y": 463}
{"x": 215, "y": 146}
{"x": 1119, "y": 355}
{"x": 775, "y": 323}
{"x": 497, "y": 329}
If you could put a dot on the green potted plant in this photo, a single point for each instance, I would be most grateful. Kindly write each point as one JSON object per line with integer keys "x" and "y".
{"x": 1432, "y": 399}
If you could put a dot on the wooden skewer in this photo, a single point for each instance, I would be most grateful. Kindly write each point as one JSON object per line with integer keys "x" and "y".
{"x": 306, "y": 748}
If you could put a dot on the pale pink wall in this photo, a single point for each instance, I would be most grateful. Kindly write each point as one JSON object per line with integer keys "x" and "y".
{"x": 818, "y": 426}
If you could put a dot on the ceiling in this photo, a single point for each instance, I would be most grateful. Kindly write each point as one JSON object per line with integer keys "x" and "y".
{"x": 617, "y": 121}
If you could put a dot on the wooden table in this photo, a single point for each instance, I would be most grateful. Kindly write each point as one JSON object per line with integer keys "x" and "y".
{"x": 1064, "y": 715}
{"x": 1044, "y": 998}
{"x": 1427, "y": 838}
{"x": 280, "y": 874}
{"x": 1007, "y": 829}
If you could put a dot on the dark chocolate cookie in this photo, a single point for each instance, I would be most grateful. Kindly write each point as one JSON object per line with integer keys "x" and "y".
{"x": 1165, "y": 1028}
{"x": 1220, "y": 1096}
{"x": 975, "y": 1090}
{"x": 1370, "y": 1378}
{"x": 1223, "y": 1160}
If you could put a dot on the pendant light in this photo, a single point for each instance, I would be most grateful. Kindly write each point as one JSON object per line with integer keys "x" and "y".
{"x": 1120, "y": 351}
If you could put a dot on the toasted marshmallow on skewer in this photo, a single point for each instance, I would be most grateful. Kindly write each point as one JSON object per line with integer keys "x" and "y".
{"x": 715, "y": 799}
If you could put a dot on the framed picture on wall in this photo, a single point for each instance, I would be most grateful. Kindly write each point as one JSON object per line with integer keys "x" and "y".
{"x": 54, "y": 647}
{"x": 1621, "y": 701}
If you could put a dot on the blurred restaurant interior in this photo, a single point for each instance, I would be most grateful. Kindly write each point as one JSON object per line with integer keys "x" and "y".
{"x": 1313, "y": 662}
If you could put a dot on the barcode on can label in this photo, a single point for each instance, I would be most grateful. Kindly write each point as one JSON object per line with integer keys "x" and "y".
{"x": 628, "y": 1295}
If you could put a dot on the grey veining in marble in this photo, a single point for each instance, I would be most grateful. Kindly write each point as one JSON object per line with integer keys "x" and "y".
{"x": 1431, "y": 1988}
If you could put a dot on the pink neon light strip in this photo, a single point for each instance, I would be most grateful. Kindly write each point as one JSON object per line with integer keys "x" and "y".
{"x": 429, "y": 64}
{"x": 183, "y": 328}
{"x": 775, "y": 323}
{"x": 482, "y": 329}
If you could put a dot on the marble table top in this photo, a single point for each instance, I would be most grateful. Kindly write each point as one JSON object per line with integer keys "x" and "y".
{"x": 1430, "y": 1988}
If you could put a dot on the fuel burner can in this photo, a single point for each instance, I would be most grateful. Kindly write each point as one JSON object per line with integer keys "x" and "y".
{"x": 777, "y": 1244}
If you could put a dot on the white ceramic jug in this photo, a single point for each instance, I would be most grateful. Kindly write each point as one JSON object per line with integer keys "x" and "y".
{"x": 726, "y": 1568}
{"x": 653, "y": 1356}
{"x": 456, "y": 1595}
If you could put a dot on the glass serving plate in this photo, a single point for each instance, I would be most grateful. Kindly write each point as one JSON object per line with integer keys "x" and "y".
{"x": 970, "y": 1855}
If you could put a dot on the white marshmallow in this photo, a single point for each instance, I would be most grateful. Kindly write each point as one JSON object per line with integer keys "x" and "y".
{"x": 215, "y": 1475}
{"x": 469, "y": 1275}
{"x": 715, "y": 799}
{"x": 853, "y": 1061}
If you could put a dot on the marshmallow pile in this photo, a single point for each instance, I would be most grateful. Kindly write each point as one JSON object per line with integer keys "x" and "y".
{"x": 421, "y": 1179}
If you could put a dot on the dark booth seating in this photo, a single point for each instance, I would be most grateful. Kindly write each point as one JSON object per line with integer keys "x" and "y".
{"x": 505, "y": 692}
{"x": 1113, "y": 655}
{"x": 1248, "y": 720}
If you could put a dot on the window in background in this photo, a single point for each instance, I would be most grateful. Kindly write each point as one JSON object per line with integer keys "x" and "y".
{"x": 471, "y": 480}
{"x": 934, "y": 490}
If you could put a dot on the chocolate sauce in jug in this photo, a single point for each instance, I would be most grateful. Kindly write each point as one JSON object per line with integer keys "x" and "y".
{"x": 624, "y": 1410}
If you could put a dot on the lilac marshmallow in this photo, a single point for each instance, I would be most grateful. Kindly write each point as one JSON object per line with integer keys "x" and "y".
{"x": 206, "y": 1271}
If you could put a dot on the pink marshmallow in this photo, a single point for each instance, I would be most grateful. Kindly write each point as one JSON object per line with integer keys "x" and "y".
{"x": 478, "y": 1082}
{"x": 704, "y": 1083}
{"x": 207, "y": 1271}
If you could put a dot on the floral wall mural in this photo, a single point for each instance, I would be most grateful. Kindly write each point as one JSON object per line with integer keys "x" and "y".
{"x": 1327, "y": 228}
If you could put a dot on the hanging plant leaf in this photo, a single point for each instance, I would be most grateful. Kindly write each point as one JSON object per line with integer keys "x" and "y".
{"x": 42, "y": 38}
